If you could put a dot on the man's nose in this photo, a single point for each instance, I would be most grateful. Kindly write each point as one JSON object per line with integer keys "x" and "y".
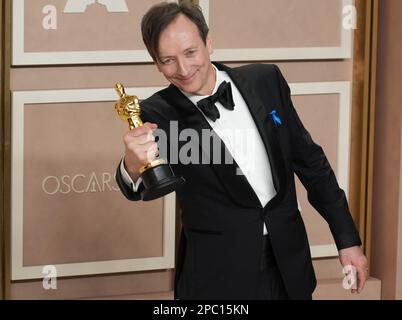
{"x": 183, "y": 68}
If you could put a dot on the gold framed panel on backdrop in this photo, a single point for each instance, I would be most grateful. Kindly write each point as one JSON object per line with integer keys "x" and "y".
{"x": 78, "y": 32}
{"x": 66, "y": 208}
{"x": 260, "y": 20}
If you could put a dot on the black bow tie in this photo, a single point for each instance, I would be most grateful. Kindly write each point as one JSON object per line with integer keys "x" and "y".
{"x": 223, "y": 95}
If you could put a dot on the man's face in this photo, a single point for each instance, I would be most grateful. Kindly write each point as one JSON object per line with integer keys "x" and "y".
{"x": 184, "y": 59}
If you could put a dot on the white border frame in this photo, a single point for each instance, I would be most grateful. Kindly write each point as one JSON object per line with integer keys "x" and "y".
{"x": 344, "y": 51}
{"x": 344, "y": 89}
{"x": 21, "y": 58}
{"x": 21, "y": 272}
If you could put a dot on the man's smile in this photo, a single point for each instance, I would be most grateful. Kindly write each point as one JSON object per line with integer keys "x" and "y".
{"x": 187, "y": 80}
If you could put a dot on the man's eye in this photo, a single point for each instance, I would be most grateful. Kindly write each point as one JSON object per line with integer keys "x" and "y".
{"x": 167, "y": 61}
{"x": 191, "y": 53}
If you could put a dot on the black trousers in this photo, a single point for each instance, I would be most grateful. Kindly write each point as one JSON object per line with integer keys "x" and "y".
{"x": 271, "y": 283}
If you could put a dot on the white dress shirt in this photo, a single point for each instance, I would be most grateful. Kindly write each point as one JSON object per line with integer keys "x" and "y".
{"x": 237, "y": 129}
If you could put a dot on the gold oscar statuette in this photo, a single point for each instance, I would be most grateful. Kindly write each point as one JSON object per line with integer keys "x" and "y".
{"x": 157, "y": 176}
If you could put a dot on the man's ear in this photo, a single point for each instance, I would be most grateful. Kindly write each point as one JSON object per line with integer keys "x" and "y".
{"x": 208, "y": 43}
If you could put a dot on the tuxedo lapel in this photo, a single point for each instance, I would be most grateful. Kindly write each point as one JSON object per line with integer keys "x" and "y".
{"x": 236, "y": 184}
{"x": 190, "y": 117}
{"x": 267, "y": 130}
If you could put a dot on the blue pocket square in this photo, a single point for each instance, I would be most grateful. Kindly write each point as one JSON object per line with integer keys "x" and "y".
{"x": 275, "y": 118}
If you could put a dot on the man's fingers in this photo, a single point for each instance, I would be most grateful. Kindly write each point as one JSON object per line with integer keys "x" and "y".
{"x": 152, "y": 152}
{"x": 150, "y": 125}
{"x": 145, "y": 129}
{"x": 140, "y": 135}
{"x": 144, "y": 139}
{"x": 361, "y": 278}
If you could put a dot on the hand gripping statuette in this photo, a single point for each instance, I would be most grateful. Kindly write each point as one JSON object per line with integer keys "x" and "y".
{"x": 157, "y": 176}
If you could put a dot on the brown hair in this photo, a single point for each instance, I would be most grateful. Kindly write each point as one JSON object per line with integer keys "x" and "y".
{"x": 161, "y": 15}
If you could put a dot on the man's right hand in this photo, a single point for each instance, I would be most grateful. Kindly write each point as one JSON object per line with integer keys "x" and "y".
{"x": 141, "y": 148}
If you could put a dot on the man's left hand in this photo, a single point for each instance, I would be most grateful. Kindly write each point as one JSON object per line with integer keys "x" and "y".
{"x": 354, "y": 256}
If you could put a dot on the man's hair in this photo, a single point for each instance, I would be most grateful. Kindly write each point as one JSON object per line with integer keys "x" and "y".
{"x": 161, "y": 15}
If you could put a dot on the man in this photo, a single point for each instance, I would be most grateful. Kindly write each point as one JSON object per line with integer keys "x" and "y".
{"x": 243, "y": 236}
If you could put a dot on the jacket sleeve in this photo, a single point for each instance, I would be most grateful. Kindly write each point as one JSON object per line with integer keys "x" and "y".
{"x": 314, "y": 171}
{"x": 127, "y": 190}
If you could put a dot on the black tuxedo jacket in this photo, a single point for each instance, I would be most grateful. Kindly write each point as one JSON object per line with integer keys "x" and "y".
{"x": 222, "y": 218}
